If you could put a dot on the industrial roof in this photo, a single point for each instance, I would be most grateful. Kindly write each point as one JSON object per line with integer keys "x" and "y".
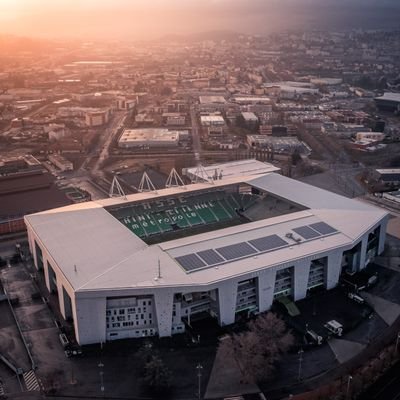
{"x": 212, "y": 99}
{"x": 235, "y": 169}
{"x": 149, "y": 134}
{"x": 97, "y": 252}
{"x": 387, "y": 96}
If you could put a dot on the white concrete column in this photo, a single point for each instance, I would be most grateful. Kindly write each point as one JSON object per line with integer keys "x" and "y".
{"x": 90, "y": 326}
{"x": 301, "y": 274}
{"x": 333, "y": 269}
{"x": 164, "y": 299}
{"x": 265, "y": 289}
{"x": 30, "y": 240}
{"x": 60, "y": 295}
{"x": 227, "y": 296}
{"x": 46, "y": 273}
{"x": 382, "y": 236}
{"x": 33, "y": 251}
{"x": 363, "y": 252}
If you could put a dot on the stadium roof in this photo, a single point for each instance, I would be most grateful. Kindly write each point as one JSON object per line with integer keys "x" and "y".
{"x": 234, "y": 169}
{"x": 387, "y": 96}
{"x": 108, "y": 256}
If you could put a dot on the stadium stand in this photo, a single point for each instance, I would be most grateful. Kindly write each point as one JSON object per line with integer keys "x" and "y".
{"x": 154, "y": 218}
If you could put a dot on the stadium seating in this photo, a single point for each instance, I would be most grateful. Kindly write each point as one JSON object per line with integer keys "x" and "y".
{"x": 165, "y": 215}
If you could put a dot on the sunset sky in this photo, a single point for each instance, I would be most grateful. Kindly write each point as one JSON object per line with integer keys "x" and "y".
{"x": 138, "y": 19}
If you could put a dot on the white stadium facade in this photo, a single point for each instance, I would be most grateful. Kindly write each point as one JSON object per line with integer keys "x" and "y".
{"x": 149, "y": 263}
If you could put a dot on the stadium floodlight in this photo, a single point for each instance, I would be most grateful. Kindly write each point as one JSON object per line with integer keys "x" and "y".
{"x": 116, "y": 189}
{"x": 201, "y": 175}
{"x": 174, "y": 180}
{"x": 146, "y": 185}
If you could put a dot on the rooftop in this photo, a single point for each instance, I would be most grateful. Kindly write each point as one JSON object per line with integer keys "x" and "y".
{"x": 109, "y": 256}
{"x": 149, "y": 134}
{"x": 212, "y": 99}
{"x": 389, "y": 97}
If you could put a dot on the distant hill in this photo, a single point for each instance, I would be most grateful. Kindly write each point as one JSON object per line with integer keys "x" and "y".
{"x": 216, "y": 35}
{"x": 17, "y": 44}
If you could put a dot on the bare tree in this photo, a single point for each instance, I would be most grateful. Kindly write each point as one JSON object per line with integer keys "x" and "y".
{"x": 258, "y": 349}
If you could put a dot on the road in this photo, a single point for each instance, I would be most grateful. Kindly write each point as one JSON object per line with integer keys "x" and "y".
{"x": 104, "y": 143}
{"x": 386, "y": 387}
{"x": 195, "y": 135}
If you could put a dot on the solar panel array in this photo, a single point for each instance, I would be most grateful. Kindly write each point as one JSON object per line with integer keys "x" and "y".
{"x": 268, "y": 243}
{"x": 306, "y": 232}
{"x": 237, "y": 250}
{"x": 190, "y": 262}
{"x": 212, "y": 257}
{"x": 323, "y": 228}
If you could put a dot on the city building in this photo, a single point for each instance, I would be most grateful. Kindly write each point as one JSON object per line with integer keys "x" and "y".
{"x": 280, "y": 144}
{"x": 96, "y": 118}
{"x": 61, "y": 162}
{"x": 388, "y": 102}
{"x": 150, "y": 137}
{"x": 388, "y": 176}
{"x": 149, "y": 263}
{"x": 25, "y": 187}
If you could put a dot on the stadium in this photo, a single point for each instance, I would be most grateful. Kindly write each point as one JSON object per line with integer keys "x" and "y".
{"x": 225, "y": 246}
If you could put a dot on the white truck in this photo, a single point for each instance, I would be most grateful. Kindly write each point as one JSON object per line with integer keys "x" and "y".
{"x": 335, "y": 327}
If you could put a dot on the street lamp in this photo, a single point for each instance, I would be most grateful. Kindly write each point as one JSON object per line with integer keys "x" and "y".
{"x": 397, "y": 343}
{"x": 349, "y": 379}
{"x": 300, "y": 353}
{"x": 102, "y": 382}
{"x": 199, "y": 368}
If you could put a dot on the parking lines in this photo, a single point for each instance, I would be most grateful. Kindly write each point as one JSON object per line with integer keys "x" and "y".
{"x": 31, "y": 381}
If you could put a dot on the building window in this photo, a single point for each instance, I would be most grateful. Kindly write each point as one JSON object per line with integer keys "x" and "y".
{"x": 122, "y": 311}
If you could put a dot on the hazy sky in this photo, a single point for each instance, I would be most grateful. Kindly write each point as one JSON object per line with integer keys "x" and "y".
{"x": 141, "y": 19}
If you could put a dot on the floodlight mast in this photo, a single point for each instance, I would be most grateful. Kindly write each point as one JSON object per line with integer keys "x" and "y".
{"x": 146, "y": 185}
{"x": 174, "y": 180}
{"x": 116, "y": 189}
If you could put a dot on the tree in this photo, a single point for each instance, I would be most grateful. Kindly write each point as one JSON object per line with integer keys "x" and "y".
{"x": 166, "y": 91}
{"x": 296, "y": 157}
{"x": 258, "y": 350}
{"x": 157, "y": 377}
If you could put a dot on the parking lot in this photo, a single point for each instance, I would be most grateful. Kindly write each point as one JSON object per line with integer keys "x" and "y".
{"x": 335, "y": 305}
{"x": 122, "y": 369}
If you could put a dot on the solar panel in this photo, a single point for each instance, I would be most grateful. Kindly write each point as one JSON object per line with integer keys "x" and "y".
{"x": 306, "y": 232}
{"x": 210, "y": 257}
{"x": 323, "y": 228}
{"x": 190, "y": 262}
{"x": 237, "y": 250}
{"x": 267, "y": 243}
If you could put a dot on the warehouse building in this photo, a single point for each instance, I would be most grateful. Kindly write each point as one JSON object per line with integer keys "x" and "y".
{"x": 150, "y": 138}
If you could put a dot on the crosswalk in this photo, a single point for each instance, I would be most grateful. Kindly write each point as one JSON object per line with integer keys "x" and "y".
{"x": 31, "y": 381}
{"x": 1, "y": 389}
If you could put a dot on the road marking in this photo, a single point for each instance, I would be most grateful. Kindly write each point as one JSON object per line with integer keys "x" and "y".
{"x": 1, "y": 389}
{"x": 31, "y": 381}
{"x": 386, "y": 386}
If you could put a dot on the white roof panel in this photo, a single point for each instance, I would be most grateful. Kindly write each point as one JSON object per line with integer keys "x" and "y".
{"x": 109, "y": 256}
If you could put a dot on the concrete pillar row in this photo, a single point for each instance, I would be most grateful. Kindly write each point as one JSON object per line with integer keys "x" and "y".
{"x": 333, "y": 269}
{"x": 301, "y": 274}
{"x": 265, "y": 289}
{"x": 227, "y": 295}
{"x": 164, "y": 300}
